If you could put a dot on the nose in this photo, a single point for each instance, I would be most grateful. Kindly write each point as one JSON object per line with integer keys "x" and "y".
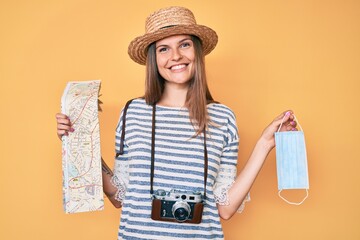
{"x": 176, "y": 56}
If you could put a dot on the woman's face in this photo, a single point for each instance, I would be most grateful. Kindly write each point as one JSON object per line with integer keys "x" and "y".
{"x": 175, "y": 56}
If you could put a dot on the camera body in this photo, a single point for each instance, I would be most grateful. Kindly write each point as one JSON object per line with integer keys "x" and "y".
{"x": 177, "y": 206}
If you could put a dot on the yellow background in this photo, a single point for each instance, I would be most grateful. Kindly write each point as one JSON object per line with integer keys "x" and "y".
{"x": 272, "y": 56}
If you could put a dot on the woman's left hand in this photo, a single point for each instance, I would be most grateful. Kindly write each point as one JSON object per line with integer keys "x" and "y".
{"x": 288, "y": 124}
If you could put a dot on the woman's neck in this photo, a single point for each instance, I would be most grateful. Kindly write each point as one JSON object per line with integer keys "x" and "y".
{"x": 173, "y": 96}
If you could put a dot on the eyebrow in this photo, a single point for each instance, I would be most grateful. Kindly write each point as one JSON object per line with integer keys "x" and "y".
{"x": 181, "y": 41}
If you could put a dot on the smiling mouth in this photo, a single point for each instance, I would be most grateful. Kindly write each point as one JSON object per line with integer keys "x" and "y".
{"x": 178, "y": 67}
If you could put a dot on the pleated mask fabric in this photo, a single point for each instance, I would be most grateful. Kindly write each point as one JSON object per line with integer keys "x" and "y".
{"x": 291, "y": 162}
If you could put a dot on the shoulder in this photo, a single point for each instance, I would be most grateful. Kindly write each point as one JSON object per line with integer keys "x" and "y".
{"x": 135, "y": 105}
{"x": 137, "y": 102}
{"x": 223, "y": 118}
{"x": 219, "y": 110}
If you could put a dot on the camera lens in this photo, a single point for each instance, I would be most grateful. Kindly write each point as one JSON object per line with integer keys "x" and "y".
{"x": 181, "y": 211}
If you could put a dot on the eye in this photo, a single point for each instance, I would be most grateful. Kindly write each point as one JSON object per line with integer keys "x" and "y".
{"x": 185, "y": 45}
{"x": 162, "y": 49}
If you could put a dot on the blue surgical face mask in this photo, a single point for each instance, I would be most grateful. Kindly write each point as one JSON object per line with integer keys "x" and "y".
{"x": 291, "y": 162}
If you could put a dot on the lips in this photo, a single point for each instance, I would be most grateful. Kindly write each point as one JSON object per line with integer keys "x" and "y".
{"x": 178, "y": 67}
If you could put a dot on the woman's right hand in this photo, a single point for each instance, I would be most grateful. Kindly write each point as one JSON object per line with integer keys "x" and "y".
{"x": 63, "y": 125}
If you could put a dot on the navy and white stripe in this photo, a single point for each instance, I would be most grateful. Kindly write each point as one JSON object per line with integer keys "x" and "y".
{"x": 179, "y": 164}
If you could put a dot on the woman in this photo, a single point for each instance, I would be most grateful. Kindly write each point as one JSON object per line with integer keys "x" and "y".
{"x": 165, "y": 150}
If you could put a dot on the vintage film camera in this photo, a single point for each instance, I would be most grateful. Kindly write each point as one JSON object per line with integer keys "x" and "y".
{"x": 177, "y": 206}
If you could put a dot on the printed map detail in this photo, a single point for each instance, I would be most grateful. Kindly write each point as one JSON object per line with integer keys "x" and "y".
{"x": 81, "y": 155}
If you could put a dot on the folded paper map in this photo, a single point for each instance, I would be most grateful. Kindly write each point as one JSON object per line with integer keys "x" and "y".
{"x": 81, "y": 156}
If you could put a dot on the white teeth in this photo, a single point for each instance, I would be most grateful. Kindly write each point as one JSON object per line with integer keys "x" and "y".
{"x": 178, "y": 67}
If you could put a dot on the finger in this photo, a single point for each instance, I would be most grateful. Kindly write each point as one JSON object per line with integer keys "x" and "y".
{"x": 61, "y": 133}
{"x": 64, "y": 121}
{"x": 66, "y": 127}
{"x": 290, "y": 123}
{"x": 63, "y": 125}
{"x": 293, "y": 123}
{"x": 290, "y": 128}
{"x": 60, "y": 115}
{"x": 283, "y": 118}
{"x": 63, "y": 130}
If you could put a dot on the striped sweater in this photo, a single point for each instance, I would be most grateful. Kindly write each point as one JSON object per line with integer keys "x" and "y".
{"x": 179, "y": 164}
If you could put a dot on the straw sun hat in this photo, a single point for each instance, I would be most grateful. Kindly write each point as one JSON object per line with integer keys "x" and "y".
{"x": 168, "y": 22}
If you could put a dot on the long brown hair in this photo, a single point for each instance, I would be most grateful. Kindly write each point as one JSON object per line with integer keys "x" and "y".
{"x": 198, "y": 95}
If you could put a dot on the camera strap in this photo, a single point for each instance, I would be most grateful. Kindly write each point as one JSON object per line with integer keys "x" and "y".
{"x": 153, "y": 154}
{"x": 121, "y": 152}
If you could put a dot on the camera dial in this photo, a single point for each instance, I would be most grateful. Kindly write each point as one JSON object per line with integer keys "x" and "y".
{"x": 160, "y": 192}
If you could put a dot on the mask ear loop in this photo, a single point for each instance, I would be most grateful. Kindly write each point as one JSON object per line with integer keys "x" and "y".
{"x": 279, "y": 193}
{"x": 294, "y": 203}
